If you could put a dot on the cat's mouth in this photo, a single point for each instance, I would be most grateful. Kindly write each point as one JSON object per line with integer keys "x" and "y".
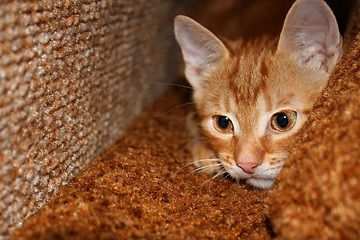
{"x": 261, "y": 179}
{"x": 261, "y": 183}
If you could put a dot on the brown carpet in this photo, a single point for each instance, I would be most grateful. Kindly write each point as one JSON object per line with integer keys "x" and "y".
{"x": 132, "y": 191}
{"x": 69, "y": 71}
{"x": 318, "y": 195}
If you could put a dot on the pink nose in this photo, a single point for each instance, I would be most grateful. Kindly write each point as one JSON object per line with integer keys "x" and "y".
{"x": 248, "y": 167}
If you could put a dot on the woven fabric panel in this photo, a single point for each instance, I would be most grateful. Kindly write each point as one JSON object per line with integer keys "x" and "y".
{"x": 73, "y": 75}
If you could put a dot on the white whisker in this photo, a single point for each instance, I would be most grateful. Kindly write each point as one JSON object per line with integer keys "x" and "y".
{"x": 226, "y": 176}
{"x": 172, "y": 84}
{"x": 178, "y": 106}
{"x": 222, "y": 171}
{"x": 212, "y": 178}
{"x": 173, "y": 109}
{"x": 184, "y": 118}
{"x": 204, "y": 168}
{"x": 183, "y": 86}
{"x": 193, "y": 162}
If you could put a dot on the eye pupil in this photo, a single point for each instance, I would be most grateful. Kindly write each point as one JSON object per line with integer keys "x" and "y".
{"x": 223, "y": 122}
{"x": 282, "y": 120}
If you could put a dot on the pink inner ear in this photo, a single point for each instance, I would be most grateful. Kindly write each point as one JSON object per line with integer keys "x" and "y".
{"x": 311, "y": 31}
{"x": 200, "y": 48}
{"x": 199, "y": 45}
{"x": 193, "y": 54}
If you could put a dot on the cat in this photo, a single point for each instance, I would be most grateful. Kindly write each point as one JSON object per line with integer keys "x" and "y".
{"x": 253, "y": 97}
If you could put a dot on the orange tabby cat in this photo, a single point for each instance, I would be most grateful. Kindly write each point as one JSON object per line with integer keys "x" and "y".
{"x": 253, "y": 97}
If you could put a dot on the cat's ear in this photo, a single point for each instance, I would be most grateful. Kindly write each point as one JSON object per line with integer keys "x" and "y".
{"x": 311, "y": 34}
{"x": 201, "y": 49}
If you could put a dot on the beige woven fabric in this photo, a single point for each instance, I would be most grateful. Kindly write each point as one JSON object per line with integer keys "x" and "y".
{"x": 73, "y": 75}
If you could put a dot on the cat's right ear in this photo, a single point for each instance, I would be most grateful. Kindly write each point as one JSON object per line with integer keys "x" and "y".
{"x": 201, "y": 49}
{"x": 311, "y": 35}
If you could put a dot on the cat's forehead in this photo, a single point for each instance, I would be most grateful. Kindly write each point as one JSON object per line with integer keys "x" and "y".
{"x": 247, "y": 83}
{"x": 244, "y": 77}
{"x": 253, "y": 78}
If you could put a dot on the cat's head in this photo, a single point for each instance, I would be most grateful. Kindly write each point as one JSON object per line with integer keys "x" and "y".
{"x": 252, "y": 100}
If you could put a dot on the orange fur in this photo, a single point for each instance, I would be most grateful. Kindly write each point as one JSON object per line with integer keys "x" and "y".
{"x": 250, "y": 83}
{"x": 238, "y": 82}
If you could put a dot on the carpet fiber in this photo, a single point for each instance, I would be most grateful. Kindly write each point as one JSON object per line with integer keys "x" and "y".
{"x": 137, "y": 188}
{"x": 69, "y": 71}
{"x": 142, "y": 187}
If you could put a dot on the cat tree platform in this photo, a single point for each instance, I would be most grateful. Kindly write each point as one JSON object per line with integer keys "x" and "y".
{"x": 70, "y": 152}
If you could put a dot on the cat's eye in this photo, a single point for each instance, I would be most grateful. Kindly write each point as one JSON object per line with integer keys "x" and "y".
{"x": 222, "y": 124}
{"x": 283, "y": 121}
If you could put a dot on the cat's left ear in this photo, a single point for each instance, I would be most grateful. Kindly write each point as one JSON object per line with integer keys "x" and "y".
{"x": 201, "y": 49}
{"x": 311, "y": 34}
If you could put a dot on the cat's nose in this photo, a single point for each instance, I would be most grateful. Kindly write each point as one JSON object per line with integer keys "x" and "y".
{"x": 248, "y": 167}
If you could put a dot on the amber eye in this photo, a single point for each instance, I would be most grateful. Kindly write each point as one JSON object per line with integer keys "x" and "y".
{"x": 283, "y": 121}
{"x": 222, "y": 124}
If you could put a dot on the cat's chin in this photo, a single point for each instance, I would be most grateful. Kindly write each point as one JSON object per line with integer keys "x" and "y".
{"x": 260, "y": 183}
{"x": 263, "y": 178}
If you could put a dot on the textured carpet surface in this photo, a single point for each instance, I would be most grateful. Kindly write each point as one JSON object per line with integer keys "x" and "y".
{"x": 318, "y": 195}
{"x": 133, "y": 191}
{"x": 73, "y": 75}
{"x": 137, "y": 188}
